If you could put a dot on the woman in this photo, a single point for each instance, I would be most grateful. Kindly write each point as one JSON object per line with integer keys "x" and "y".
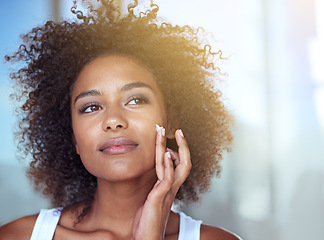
{"x": 96, "y": 92}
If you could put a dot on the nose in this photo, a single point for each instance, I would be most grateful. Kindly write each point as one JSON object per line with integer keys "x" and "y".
{"x": 114, "y": 119}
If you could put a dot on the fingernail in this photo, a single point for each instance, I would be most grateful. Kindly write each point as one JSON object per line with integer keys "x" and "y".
{"x": 163, "y": 132}
{"x": 157, "y": 127}
{"x": 181, "y": 133}
{"x": 168, "y": 154}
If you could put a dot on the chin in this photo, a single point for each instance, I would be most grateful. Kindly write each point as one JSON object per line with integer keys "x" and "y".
{"x": 121, "y": 174}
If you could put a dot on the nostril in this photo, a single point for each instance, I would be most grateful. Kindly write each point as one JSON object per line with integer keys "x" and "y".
{"x": 114, "y": 126}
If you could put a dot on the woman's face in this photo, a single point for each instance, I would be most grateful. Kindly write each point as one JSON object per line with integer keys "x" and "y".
{"x": 115, "y": 106}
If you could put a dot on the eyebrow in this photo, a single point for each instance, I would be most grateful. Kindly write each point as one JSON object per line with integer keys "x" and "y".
{"x": 132, "y": 85}
{"x": 88, "y": 93}
{"x": 124, "y": 88}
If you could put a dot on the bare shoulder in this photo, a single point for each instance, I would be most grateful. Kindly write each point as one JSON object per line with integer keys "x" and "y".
{"x": 21, "y": 228}
{"x": 211, "y": 233}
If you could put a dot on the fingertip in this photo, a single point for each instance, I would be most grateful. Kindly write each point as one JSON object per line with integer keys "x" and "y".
{"x": 169, "y": 170}
{"x": 180, "y": 133}
{"x": 181, "y": 140}
{"x": 168, "y": 160}
{"x": 163, "y": 132}
{"x": 172, "y": 152}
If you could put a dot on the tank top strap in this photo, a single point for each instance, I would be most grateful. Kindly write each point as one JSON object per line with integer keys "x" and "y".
{"x": 46, "y": 223}
{"x": 189, "y": 228}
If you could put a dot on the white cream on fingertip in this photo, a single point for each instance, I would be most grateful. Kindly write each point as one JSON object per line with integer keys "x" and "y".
{"x": 158, "y": 127}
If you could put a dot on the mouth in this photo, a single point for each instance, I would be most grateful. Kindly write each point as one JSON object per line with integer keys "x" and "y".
{"x": 118, "y": 146}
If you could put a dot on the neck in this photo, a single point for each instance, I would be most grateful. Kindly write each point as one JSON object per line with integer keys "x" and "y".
{"x": 118, "y": 202}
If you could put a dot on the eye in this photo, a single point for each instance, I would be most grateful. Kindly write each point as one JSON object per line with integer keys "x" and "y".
{"x": 137, "y": 100}
{"x": 91, "y": 107}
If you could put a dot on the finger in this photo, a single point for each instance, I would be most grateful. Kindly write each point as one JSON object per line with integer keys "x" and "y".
{"x": 164, "y": 186}
{"x": 169, "y": 177}
{"x": 168, "y": 170}
{"x": 184, "y": 153}
{"x": 174, "y": 156}
{"x": 159, "y": 153}
{"x": 183, "y": 169}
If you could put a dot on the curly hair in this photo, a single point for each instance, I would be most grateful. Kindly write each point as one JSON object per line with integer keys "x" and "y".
{"x": 185, "y": 71}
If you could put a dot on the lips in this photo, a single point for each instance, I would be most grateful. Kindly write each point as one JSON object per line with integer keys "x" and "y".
{"x": 118, "y": 146}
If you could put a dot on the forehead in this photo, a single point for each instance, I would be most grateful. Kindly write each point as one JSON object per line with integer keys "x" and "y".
{"x": 109, "y": 71}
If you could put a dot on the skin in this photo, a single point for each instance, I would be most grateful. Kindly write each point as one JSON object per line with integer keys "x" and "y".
{"x": 116, "y": 98}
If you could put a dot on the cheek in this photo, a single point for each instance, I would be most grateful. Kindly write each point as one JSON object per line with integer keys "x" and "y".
{"x": 146, "y": 130}
{"x": 82, "y": 135}
{"x": 84, "y": 144}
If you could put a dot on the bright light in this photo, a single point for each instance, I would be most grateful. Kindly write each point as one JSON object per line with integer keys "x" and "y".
{"x": 316, "y": 55}
{"x": 319, "y": 102}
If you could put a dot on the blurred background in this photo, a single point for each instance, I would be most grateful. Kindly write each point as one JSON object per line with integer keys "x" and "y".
{"x": 272, "y": 184}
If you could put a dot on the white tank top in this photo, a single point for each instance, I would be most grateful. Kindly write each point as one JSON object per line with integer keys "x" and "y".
{"x": 47, "y": 221}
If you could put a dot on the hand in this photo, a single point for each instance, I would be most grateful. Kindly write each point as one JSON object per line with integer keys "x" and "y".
{"x": 151, "y": 219}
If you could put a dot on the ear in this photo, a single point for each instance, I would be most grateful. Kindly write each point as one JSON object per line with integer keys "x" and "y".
{"x": 170, "y": 132}
{"x": 172, "y": 125}
{"x": 75, "y": 143}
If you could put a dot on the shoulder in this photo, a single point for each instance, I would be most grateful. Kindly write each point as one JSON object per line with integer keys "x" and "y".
{"x": 209, "y": 233}
{"x": 21, "y": 228}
